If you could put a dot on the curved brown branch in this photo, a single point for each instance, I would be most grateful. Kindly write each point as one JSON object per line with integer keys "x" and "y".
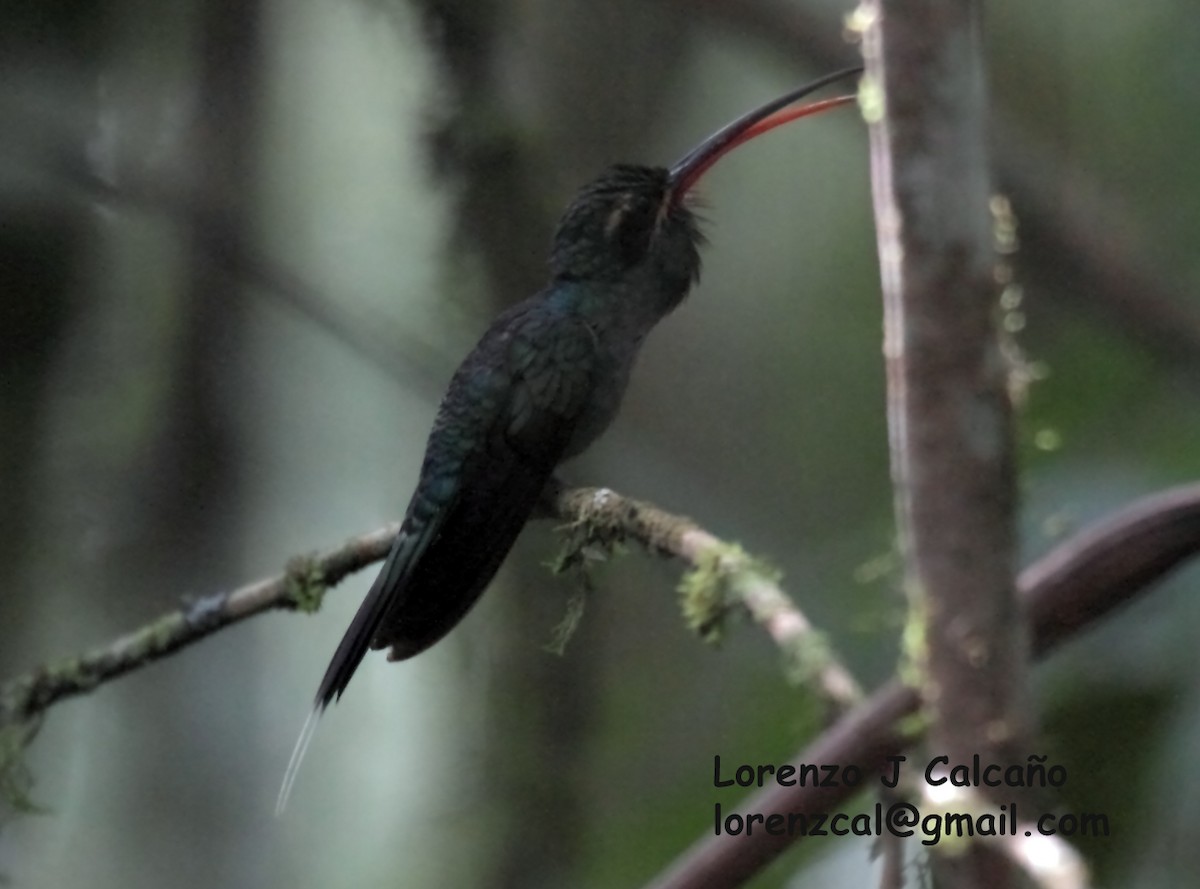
{"x": 1108, "y": 563}
{"x": 1074, "y": 585}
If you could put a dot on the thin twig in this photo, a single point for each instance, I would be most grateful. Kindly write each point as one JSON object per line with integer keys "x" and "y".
{"x": 301, "y": 587}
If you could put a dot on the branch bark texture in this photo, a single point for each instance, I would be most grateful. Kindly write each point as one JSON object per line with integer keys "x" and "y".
{"x": 949, "y": 415}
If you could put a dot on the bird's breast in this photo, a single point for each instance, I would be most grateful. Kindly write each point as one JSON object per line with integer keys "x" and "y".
{"x": 613, "y": 363}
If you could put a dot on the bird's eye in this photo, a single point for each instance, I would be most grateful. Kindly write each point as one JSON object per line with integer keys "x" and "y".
{"x": 630, "y": 227}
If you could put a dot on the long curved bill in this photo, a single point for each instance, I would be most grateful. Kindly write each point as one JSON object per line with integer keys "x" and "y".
{"x": 752, "y": 124}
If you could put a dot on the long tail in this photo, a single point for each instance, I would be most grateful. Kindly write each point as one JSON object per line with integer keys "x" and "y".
{"x": 383, "y": 595}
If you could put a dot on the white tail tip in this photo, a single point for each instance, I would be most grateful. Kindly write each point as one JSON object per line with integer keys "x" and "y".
{"x": 289, "y": 777}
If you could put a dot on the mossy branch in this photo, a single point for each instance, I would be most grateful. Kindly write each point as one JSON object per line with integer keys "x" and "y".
{"x": 597, "y": 521}
{"x": 301, "y": 587}
{"x": 723, "y": 580}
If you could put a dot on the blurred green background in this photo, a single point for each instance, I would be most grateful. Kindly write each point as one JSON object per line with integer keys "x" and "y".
{"x": 243, "y": 246}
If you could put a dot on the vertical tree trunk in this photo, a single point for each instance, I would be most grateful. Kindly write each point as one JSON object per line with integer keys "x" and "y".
{"x": 948, "y": 408}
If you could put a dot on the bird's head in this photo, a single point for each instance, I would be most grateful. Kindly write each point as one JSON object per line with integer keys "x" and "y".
{"x": 625, "y": 218}
{"x": 634, "y": 217}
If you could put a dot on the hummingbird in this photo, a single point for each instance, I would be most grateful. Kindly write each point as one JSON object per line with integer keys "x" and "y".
{"x": 541, "y": 385}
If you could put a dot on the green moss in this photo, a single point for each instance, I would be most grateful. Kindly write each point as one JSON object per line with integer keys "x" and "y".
{"x": 160, "y": 635}
{"x": 705, "y": 591}
{"x": 69, "y": 671}
{"x": 805, "y": 657}
{"x": 305, "y": 584}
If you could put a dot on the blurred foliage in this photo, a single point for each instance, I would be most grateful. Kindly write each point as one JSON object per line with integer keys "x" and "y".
{"x": 172, "y": 425}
